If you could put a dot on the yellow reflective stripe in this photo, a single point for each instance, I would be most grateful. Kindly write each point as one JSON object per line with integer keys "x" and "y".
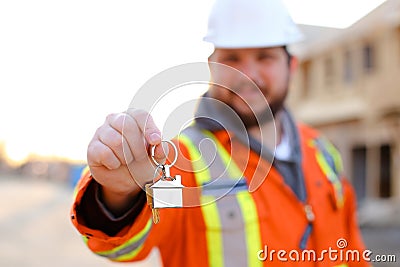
{"x": 336, "y": 156}
{"x": 342, "y": 265}
{"x": 208, "y": 206}
{"x": 203, "y": 175}
{"x": 337, "y": 160}
{"x": 332, "y": 177}
{"x": 252, "y": 227}
{"x": 233, "y": 170}
{"x": 131, "y": 241}
{"x": 213, "y": 233}
{"x": 326, "y": 168}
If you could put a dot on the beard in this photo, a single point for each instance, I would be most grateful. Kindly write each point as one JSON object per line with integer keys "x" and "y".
{"x": 252, "y": 119}
{"x": 255, "y": 119}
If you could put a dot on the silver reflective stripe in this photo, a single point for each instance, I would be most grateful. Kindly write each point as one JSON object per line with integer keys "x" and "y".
{"x": 233, "y": 235}
{"x": 231, "y": 229}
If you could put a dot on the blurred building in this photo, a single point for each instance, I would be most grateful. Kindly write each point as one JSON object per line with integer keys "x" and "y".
{"x": 46, "y": 169}
{"x": 348, "y": 87}
{"x": 4, "y": 166}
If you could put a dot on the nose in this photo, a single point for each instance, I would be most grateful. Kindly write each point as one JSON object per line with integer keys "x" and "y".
{"x": 251, "y": 70}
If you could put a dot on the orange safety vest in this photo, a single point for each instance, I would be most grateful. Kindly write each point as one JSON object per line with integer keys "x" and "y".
{"x": 249, "y": 218}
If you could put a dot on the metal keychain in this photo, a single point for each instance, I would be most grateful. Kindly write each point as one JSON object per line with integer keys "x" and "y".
{"x": 166, "y": 192}
{"x": 165, "y": 168}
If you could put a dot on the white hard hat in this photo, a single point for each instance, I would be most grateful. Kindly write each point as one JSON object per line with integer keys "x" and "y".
{"x": 251, "y": 23}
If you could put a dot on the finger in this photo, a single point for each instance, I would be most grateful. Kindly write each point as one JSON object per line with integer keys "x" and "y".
{"x": 114, "y": 140}
{"x": 99, "y": 154}
{"x": 147, "y": 125}
{"x": 132, "y": 135}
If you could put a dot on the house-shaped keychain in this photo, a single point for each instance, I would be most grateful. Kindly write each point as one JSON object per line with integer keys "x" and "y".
{"x": 167, "y": 193}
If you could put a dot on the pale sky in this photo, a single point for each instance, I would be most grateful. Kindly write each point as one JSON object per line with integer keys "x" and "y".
{"x": 64, "y": 65}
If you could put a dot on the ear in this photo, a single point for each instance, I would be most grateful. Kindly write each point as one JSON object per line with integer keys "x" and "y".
{"x": 293, "y": 64}
{"x": 210, "y": 57}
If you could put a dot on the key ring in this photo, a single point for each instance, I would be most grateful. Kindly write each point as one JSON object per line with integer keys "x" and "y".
{"x": 159, "y": 165}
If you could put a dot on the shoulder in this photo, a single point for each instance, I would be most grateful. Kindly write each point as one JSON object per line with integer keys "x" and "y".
{"x": 307, "y": 132}
{"x": 314, "y": 137}
{"x": 325, "y": 150}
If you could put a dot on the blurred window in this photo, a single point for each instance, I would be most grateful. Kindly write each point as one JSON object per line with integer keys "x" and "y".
{"x": 329, "y": 71}
{"x": 368, "y": 58}
{"x": 359, "y": 162}
{"x": 385, "y": 172}
{"x": 348, "y": 74}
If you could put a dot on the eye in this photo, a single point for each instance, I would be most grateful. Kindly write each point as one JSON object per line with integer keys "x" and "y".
{"x": 230, "y": 58}
{"x": 265, "y": 56}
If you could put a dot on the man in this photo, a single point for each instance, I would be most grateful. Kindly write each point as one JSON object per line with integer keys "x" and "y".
{"x": 295, "y": 209}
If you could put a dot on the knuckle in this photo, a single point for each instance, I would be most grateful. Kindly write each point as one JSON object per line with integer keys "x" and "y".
{"x": 104, "y": 155}
{"x": 118, "y": 121}
{"x": 126, "y": 123}
{"x": 112, "y": 139}
{"x": 100, "y": 129}
{"x": 143, "y": 118}
{"x": 97, "y": 152}
{"x": 110, "y": 117}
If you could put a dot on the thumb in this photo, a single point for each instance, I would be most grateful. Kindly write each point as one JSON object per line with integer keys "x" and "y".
{"x": 159, "y": 152}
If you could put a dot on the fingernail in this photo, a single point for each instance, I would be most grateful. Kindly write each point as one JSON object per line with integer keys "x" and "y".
{"x": 155, "y": 138}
